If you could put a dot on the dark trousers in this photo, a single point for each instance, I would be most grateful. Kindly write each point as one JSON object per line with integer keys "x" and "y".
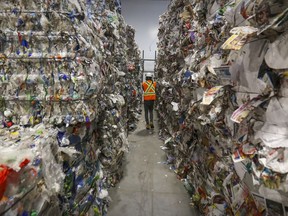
{"x": 148, "y": 107}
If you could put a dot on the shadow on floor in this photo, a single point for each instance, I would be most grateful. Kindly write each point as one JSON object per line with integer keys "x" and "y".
{"x": 145, "y": 132}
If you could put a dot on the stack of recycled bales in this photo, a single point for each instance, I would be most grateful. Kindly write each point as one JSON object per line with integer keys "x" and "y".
{"x": 133, "y": 81}
{"x": 63, "y": 68}
{"x": 222, "y": 103}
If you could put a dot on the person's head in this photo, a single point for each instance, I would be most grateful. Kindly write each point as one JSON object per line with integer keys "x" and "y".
{"x": 149, "y": 76}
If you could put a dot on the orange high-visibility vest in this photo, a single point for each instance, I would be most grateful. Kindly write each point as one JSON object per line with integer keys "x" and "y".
{"x": 149, "y": 90}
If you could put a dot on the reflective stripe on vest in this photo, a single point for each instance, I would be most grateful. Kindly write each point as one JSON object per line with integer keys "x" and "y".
{"x": 150, "y": 87}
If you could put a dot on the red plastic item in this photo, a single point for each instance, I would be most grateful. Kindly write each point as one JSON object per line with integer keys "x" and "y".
{"x": 24, "y": 163}
{"x": 4, "y": 172}
{"x": 19, "y": 37}
{"x": 9, "y": 124}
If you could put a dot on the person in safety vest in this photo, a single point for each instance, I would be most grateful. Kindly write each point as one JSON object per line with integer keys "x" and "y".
{"x": 149, "y": 88}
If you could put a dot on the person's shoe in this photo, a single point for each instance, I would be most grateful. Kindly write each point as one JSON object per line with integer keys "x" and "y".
{"x": 152, "y": 125}
{"x": 147, "y": 126}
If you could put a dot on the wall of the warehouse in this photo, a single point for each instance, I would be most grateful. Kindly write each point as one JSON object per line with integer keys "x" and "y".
{"x": 143, "y": 15}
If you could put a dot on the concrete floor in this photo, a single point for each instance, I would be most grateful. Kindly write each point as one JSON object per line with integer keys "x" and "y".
{"x": 148, "y": 188}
